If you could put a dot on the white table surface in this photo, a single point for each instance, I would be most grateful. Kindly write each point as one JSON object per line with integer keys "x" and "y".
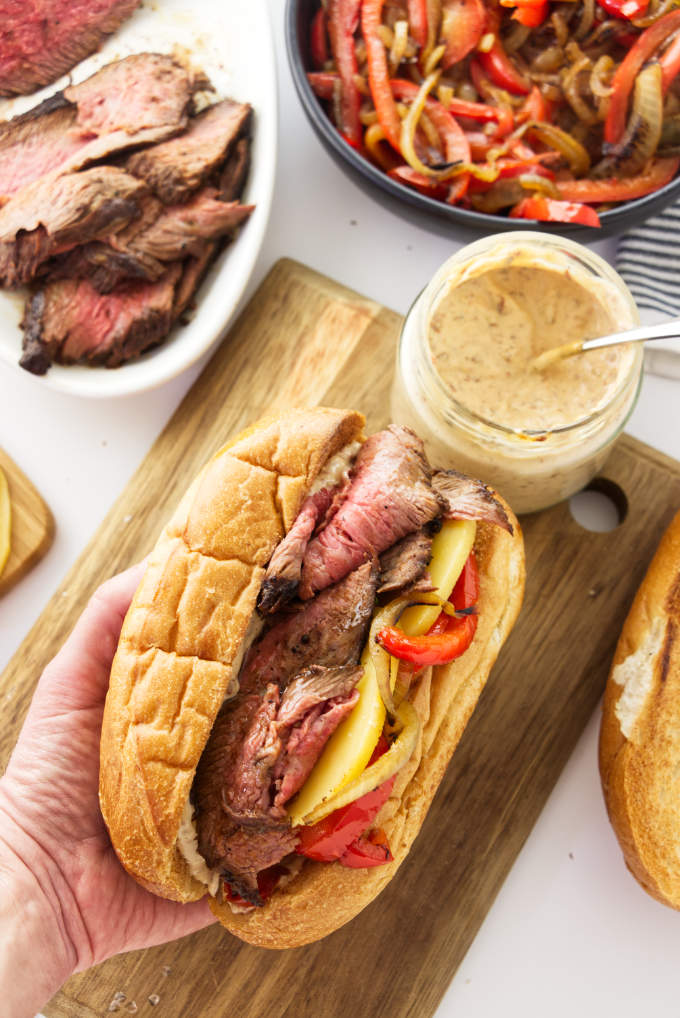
{"x": 571, "y": 933}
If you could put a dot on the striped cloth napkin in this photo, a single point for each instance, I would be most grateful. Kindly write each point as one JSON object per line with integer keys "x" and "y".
{"x": 648, "y": 259}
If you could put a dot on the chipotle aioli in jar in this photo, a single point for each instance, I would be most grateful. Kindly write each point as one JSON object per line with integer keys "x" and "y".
{"x": 465, "y": 383}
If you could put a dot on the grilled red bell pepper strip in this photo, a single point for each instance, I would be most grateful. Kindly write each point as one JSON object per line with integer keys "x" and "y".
{"x": 267, "y": 881}
{"x": 670, "y": 64}
{"x": 462, "y": 26}
{"x": 323, "y": 83}
{"x": 528, "y": 12}
{"x": 343, "y": 18}
{"x": 458, "y": 188}
{"x": 502, "y": 71}
{"x": 419, "y": 182}
{"x": 627, "y": 71}
{"x": 417, "y": 21}
{"x": 371, "y": 849}
{"x": 483, "y": 112}
{"x": 551, "y": 210}
{"x": 456, "y": 146}
{"x": 593, "y": 192}
{"x": 378, "y": 74}
{"x": 628, "y": 9}
{"x": 318, "y": 39}
{"x": 535, "y": 107}
{"x": 332, "y": 837}
{"x": 449, "y": 637}
{"x": 531, "y": 16}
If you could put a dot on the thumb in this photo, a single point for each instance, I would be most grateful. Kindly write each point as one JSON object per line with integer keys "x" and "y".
{"x": 77, "y": 678}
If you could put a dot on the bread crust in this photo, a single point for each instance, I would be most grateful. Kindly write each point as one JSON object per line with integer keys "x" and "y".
{"x": 176, "y": 653}
{"x": 639, "y": 748}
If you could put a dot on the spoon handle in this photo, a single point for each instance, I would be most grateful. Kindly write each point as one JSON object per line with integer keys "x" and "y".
{"x": 664, "y": 330}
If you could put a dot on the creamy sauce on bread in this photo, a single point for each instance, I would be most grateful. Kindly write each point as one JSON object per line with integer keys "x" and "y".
{"x": 336, "y": 469}
{"x": 187, "y": 843}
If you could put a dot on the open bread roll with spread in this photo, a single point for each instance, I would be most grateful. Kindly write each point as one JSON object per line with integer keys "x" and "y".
{"x": 273, "y": 732}
{"x": 640, "y": 729}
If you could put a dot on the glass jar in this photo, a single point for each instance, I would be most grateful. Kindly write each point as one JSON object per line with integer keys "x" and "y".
{"x": 537, "y": 466}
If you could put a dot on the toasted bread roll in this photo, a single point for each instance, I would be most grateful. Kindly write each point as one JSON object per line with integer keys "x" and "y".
{"x": 639, "y": 749}
{"x": 180, "y": 652}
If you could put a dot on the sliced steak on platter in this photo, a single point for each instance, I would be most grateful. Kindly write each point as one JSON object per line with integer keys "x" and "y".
{"x": 193, "y": 270}
{"x": 52, "y": 216}
{"x": 69, "y": 322}
{"x": 235, "y": 172}
{"x": 42, "y": 39}
{"x": 141, "y": 99}
{"x": 33, "y": 144}
{"x": 174, "y": 169}
{"x": 162, "y": 234}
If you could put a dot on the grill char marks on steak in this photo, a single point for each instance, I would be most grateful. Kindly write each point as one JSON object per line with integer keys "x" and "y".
{"x": 48, "y": 217}
{"x": 285, "y": 566}
{"x": 235, "y": 172}
{"x": 144, "y": 248}
{"x": 389, "y": 496}
{"x": 142, "y": 99}
{"x": 402, "y": 565}
{"x": 43, "y": 39}
{"x": 261, "y": 749}
{"x": 69, "y": 322}
{"x": 464, "y": 498}
{"x": 193, "y": 270}
{"x": 175, "y": 168}
{"x": 329, "y": 631}
{"x": 163, "y": 234}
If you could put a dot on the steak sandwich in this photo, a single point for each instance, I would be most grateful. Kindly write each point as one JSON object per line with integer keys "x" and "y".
{"x": 312, "y": 632}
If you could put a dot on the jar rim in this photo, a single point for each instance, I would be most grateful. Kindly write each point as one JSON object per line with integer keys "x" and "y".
{"x": 514, "y": 240}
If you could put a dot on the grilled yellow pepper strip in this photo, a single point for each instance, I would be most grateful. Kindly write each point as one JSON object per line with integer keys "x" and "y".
{"x": 349, "y": 749}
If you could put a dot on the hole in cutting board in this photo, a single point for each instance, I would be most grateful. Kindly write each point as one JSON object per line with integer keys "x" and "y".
{"x": 601, "y": 507}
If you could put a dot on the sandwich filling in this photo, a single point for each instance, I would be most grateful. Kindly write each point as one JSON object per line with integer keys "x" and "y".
{"x": 362, "y": 537}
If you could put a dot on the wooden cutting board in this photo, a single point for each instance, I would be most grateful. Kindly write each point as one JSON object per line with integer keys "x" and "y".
{"x": 306, "y": 340}
{"x": 32, "y": 524}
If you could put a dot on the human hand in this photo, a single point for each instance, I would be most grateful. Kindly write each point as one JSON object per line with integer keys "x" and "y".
{"x": 58, "y": 870}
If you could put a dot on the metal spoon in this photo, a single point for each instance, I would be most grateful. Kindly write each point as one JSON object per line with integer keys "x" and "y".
{"x": 643, "y": 333}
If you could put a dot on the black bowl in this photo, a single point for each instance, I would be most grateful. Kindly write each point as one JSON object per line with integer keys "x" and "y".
{"x": 448, "y": 220}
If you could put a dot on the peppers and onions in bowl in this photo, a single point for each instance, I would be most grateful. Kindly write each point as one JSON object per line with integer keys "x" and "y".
{"x": 335, "y": 810}
{"x": 559, "y": 112}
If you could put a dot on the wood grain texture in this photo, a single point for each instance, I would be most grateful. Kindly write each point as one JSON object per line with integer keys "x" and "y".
{"x": 399, "y": 955}
{"x": 32, "y": 524}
